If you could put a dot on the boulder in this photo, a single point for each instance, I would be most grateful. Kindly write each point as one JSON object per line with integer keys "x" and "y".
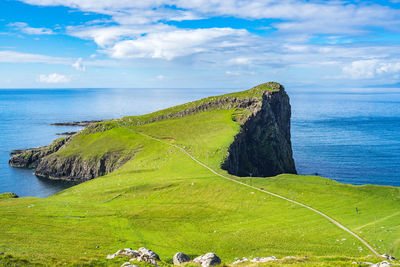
{"x": 263, "y": 259}
{"x": 128, "y": 264}
{"x": 124, "y": 252}
{"x": 148, "y": 253}
{"x": 209, "y": 259}
{"x": 180, "y": 258}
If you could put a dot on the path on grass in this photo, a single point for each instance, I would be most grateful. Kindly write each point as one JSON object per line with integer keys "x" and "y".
{"x": 261, "y": 190}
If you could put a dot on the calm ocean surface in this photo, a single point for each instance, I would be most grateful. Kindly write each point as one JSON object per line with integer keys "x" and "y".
{"x": 350, "y": 137}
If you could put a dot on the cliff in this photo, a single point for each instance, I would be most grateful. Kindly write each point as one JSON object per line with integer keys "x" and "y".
{"x": 261, "y": 148}
{"x": 50, "y": 161}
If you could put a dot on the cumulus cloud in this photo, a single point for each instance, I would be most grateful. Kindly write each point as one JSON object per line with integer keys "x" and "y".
{"x": 368, "y": 69}
{"x": 78, "y": 65}
{"x": 305, "y": 34}
{"x": 168, "y": 45}
{"x": 23, "y": 27}
{"x": 306, "y": 16}
{"x": 53, "y": 78}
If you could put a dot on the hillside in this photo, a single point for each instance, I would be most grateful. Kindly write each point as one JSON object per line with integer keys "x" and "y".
{"x": 159, "y": 198}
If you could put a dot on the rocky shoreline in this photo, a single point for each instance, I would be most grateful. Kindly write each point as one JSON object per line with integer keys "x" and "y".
{"x": 77, "y": 123}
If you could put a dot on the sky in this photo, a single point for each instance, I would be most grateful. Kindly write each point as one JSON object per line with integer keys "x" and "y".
{"x": 312, "y": 44}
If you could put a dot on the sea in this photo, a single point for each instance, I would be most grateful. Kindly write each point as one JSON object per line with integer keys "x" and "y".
{"x": 352, "y": 137}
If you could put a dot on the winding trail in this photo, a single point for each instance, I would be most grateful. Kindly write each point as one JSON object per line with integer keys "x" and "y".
{"x": 261, "y": 190}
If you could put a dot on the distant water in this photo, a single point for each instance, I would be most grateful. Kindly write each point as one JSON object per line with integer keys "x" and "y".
{"x": 353, "y": 138}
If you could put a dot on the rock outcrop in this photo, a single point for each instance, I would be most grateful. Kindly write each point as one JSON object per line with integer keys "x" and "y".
{"x": 263, "y": 146}
{"x": 49, "y": 164}
{"x": 30, "y": 158}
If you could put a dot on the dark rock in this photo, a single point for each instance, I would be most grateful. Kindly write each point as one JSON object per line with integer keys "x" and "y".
{"x": 180, "y": 258}
{"x": 209, "y": 259}
{"x": 48, "y": 164}
{"x": 263, "y": 147}
{"x": 76, "y": 123}
{"x": 30, "y": 158}
{"x": 74, "y": 168}
{"x": 66, "y": 133}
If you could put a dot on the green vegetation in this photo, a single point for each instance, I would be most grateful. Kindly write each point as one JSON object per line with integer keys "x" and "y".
{"x": 7, "y": 195}
{"x": 163, "y": 200}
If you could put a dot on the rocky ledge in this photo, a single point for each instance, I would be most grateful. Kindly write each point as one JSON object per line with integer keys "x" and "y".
{"x": 48, "y": 164}
{"x": 76, "y": 123}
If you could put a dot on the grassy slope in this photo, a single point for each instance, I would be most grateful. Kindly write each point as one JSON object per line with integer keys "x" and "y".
{"x": 163, "y": 200}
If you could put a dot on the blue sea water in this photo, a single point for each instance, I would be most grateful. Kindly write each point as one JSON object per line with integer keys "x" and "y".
{"x": 350, "y": 137}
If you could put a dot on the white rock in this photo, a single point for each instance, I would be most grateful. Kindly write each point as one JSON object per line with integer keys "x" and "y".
{"x": 240, "y": 260}
{"x": 128, "y": 264}
{"x": 289, "y": 258}
{"x": 263, "y": 259}
{"x": 148, "y": 253}
{"x": 209, "y": 259}
{"x": 382, "y": 264}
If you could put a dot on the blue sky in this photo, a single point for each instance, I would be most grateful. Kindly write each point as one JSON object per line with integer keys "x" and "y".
{"x": 199, "y": 43}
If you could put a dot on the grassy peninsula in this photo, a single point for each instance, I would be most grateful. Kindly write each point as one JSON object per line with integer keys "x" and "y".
{"x": 163, "y": 200}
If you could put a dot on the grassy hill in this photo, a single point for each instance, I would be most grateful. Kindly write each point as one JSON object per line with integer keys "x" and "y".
{"x": 163, "y": 200}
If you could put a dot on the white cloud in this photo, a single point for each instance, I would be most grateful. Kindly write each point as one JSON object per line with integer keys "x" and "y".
{"x": 105, "y": 36}
{"x": 23, "y": 27}
{"x": 78, "y": 65}
{"x": 177, "y": 43}
{"x": 296, "y": 15}
{"x": 368, "y": 69}
{"x": 7, "y": 56}
{"x": 53, "y": 78}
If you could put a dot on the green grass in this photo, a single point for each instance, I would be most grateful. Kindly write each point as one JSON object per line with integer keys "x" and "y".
{"x": 7, "y": 195}
{"x": 163, "y": 200}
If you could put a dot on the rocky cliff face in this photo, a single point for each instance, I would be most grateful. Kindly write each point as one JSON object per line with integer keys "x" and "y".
{"x": 263, "y": 147}
{"x": 30, "y": 158}
{"x": 75, "y": 168}
{"x": 47, "y": 163}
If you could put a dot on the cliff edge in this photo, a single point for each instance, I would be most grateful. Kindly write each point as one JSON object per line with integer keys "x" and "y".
{"x": 263, "y": 146}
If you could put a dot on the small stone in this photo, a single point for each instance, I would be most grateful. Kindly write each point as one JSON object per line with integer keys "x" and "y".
{"x": 289, "y": 258}
{"x": 264, "y": 259}
{"x": 1, "y": 253}
{"x": 180, "y": 258}
{"x": 209, "y": 259}
{"x": 237, "y": 260}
